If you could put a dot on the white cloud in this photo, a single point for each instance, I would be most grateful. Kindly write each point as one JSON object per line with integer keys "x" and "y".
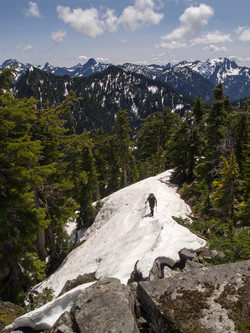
{"x": 239, "y": 59}
{"x": 58, "y": 36}
{"x": 32, "y": 10}
{"x": 100, "y": 59}
{"x": 213, "y": 48}
{"x": 245, "y": 35}
{"x": 92, "y": 23}
{"x": 192, "y": 21}
{"x": 172, "y": 44}
{"x": 239, "y": 29}
{"x": 27, "y": 48}
{"x": 110, "y": 21}
{"x": 141, "y": 14}
{"x": 83, "y": 58}
{"x": 212, "y": 37}
{"x": 85, "y": 21}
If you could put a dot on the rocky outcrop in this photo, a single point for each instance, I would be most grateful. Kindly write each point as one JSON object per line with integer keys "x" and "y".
{"x": 106, "y": 306}
{"x": 8, "y": 312}
{"x": 81, "y": 279}
{"x": 183, "y": 299}
{"x": 209, "y": 300}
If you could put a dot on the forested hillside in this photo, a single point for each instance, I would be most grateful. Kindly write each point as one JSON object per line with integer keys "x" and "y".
{"x": 102, "y": 95}
{"x": 48, "y": 172}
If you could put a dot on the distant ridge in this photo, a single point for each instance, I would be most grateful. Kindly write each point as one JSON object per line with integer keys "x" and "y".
{"x": 187, "y": 78}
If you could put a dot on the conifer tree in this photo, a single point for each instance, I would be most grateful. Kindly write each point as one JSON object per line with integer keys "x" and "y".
{"x": 107, "y": 164}
{"x": 217, "y": 120}
{"x": 187, "y": 143}
{"x": 123, "y": 144}
{"x": 156, "y": 129}
{"x": 228, "y": 187}
{"x": 21, "y": 220}
{"x": 54, "y": 191}
{"x": 89, "y": 186}
{"x": 83, "y": 173}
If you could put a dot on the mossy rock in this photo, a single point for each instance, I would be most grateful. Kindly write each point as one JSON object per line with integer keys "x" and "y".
{"x": 8, "y": 313}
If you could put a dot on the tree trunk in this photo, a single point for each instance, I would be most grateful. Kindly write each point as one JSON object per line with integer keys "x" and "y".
{"x": 42, "y": 251}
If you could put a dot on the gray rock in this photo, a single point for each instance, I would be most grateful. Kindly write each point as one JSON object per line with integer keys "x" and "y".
{"x": 81, "y": 279}
{"x": 169, "y": 272}
{"x": 211, "y": 299}
{"x": 187, "y": 254}
{"x": 64, "y": 324}
{"x": 105, "y": 307}
{"x": 209, "y": 255}
{"x": 189, "y": 265}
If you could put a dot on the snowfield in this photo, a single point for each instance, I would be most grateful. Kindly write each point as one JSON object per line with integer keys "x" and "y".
{"x": 123, "y": 234}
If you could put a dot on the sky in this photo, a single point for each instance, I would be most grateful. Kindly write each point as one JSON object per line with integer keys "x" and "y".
{"x": 68, "y": 32}
{"x": 124, "y": 234}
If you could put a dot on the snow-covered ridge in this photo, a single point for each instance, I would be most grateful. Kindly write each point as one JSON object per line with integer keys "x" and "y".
{"x": 123, "y": 235}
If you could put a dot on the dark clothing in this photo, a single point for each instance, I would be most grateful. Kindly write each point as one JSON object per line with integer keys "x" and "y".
{"x": 152, "y": 202}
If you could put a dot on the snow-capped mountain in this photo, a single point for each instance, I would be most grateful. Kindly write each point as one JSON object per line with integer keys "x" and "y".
{"x": 90, "y": 67}
{"x": 80, "y": 70}
{"x": 183, "y": 79}
{"x": 124, "y": 237}
{"x": 187, "y": 78}
{"x": 235, "y": 79}
{"x": 20, "y": 67}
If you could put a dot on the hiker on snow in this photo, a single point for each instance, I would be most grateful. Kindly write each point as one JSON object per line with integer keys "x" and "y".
{"x": 152, "y": 202}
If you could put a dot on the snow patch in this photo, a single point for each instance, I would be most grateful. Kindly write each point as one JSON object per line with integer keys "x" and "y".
{"x": 123, "y": 234}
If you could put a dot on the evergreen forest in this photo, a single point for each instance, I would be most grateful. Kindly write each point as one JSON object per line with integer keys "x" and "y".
{"x": 49, "y": 174}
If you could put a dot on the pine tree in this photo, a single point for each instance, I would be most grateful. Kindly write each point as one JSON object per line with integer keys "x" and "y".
{"x": 155, "y": 131}
{"x": 217, "y": 121}
{"x": 107, "y": 164}
{"x": 20, "y": 219}
{"x": 187, "y": 143}
{"x": 123, "y": 144}
{"x": 89, "y": 186}
{"x": 228, "y": 187}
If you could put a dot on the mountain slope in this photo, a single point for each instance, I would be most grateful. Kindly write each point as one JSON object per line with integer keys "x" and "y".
{"x": 235, "y": 79}
{"x": 183, "y": 79}
{"x": 187, "y": 78}
{"x": 103, "y": 95}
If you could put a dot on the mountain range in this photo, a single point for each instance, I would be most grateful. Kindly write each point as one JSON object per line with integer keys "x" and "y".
{"x": 187, "y": 78}
{"x": 102, "y": 95}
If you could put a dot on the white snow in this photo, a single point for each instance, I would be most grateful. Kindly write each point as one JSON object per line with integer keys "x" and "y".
{"x": 43, "y": 318}
{"x": 153, "y": 89}
{"x": 122, "y": 235}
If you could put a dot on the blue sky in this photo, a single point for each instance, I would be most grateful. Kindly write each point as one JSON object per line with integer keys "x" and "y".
{"x": 65, "y": 33}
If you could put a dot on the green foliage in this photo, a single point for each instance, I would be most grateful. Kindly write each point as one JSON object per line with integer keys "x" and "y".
{"x": 39, "y": 299}
{"x": 154, "y": 133}
{"x": 34, "y": 267}
{"x": 234, "y": 243}
{"x": 217, "y": 124}
{"x": 47, "y": 172}
{"x": 123, "y": 145}
{"x": 226, "y": 189}
{"x": 188, "y": 141}
{"x": 34, "y": 191}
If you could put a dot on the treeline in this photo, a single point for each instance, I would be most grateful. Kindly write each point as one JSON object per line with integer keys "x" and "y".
{"x": 48, "y": 172}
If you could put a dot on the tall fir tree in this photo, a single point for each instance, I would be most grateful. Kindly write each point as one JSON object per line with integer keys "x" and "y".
{"x": 21, "y": 220}
{"x": 217, "y": 121}
{"x": 227, "y": 189}
{"x": 123, "y": 144}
